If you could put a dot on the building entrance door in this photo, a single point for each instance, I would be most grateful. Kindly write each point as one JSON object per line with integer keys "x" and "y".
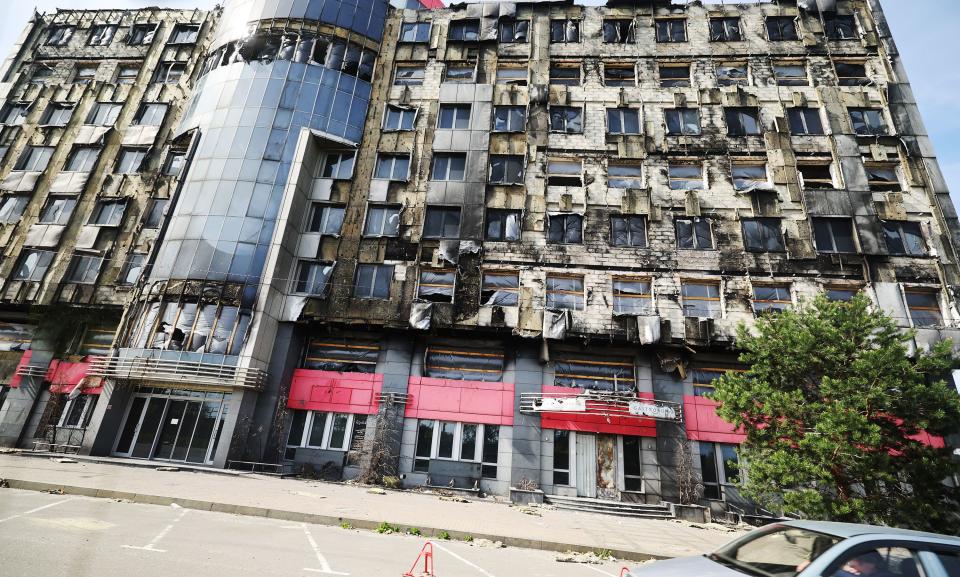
{"x": 586, "y": 465}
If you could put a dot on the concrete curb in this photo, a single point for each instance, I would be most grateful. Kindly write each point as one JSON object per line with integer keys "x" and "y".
{"x": 315, "y": 518}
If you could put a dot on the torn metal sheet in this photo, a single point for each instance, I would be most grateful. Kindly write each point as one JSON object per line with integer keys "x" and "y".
{"x": 821, "y": 5}
{"x": 648, "y": 329}
{"x": 294, "y": 308}
{"x": 70, "y": 182}
{"x": 44, "y": 235}
{"x": 420, "y": 315}
{"x": 555, "y": 324}
{"x": 88, "y": 134}
{"x": 140, "y": 135}
{"x": 87, "y": 237}
{"x": 20, "y": 181}
{"x": 469, "y": 246}
{"x": 450, "y": 251}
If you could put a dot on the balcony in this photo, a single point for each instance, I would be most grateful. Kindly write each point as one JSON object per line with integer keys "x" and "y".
{"x": 175, "y": 371}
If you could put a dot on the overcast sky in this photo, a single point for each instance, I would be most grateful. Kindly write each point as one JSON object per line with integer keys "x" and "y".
{"x": 925, "y": 31}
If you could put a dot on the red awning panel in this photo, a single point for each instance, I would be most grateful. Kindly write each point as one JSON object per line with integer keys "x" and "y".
{"x": 484, "y": 402}
{"x": 335, "y": 392}
{"x": 597, "y": 423}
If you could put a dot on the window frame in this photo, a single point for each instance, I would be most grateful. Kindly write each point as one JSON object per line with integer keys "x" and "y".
{"x": 645, "y": 299}
{"x": 579, "y": 297}
{"x": 27, "y": 162}
{"x": 84, "y": 72}
{"x": 565, "y": 239}
{"x": 522, "y": 78}
{"x": 86, "y": 411}
{"x": 121, "y": 78}
{"x": 97, "y": 32}
{"x": 671, "y": 33}
{"x": 734, "y": 118}
{"x": 311, "y": 272}
{"x": 122, "y": 160}
{"x": 417, "y": 78}
{"x": 327, "y": 431}
{"x": 54, "y": 111}
{"x": 899, "y": 227}
{"x": 464, "y": 30}
{"x": 615, "y": 24}
{"x": 682, "y": 121}
{"x": 63, "y": 214}
{"x": 169, "y": 72}
{"x": 563, "y": 80}
{"x": 416, "y": 26}
{"x": 934, "y": 294}
{"x": 403, "y": 112}
{"x": 509, "y": 108}
{"x": 446, "y": 291}
{"x": 82, "y": 265}
{"x": 504, "y": 216}
{"x": 628, "y": 220}
{"x": 192, "y": 34}
{"x": 147, "y": 113}
{"x": 713, "y": 311}
{"x": 443, "y": 167}
{"x": 779, "y": 66}
{"x": 727, "y": 33}
{"x": 454, "y": 109}
{"x": 761, "y": 306}
{"x": 566, "y": 22}
{"x": 820, "y": 184}
{"x": 112, "y": 209}
{"x": 393, "y": 159}
{"x": 674, "y": 82}
{"x": 42, "y": 265}
{"x": 321, "y": 226}
{"x": 781, "y": 20}
{"x": 765, "y": 228}
{"x": 471, "y": 67}
{"x": 384, "y": 222}
{"x": 621, "y": 115}
{"x": 446, "y": 212}
{"x": 491, "y": 290}
{"x": 834, "y": 23}
{"x": 805, "y": 115}
{"x": 379, "y": 269}
{"x": 727, "y": 79}
{"x": 721, "y": 472}
{"x": 833, "y": 237}
{"x": 421, "y": 463}
{"x": 866, "y": 114}
{"x": 619, "y": 81}
{"x": 512, "y": 25}
{"x": 507, "y": 172}
{"x": 91, "y": 156}
{"x": 695, "y": 223}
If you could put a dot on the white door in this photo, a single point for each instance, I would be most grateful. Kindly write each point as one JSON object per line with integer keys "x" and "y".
{"x": 586, "y": 465}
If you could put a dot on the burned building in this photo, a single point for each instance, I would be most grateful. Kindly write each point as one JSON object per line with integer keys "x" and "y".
{"x": 498, "y": 245}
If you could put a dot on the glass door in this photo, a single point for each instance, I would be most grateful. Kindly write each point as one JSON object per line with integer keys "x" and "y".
{"x": 172, "y": 428}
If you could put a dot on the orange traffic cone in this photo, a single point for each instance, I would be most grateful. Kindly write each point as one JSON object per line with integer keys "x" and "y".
{"x": 625, "y": 572}
{"x": 427, "y": 555}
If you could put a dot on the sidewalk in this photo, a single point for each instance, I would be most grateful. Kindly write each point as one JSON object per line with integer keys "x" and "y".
{"x": 335, "y": 504}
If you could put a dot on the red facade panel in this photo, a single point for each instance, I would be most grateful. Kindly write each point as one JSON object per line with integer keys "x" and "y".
{"x": 703, "y": 424}
{"x": 64, "y": 376}
{"x": 597, "y": 423}
{"x": 464, "y": 401}
{"x": 432, "y": 3}
{"x": 334, "y": 392}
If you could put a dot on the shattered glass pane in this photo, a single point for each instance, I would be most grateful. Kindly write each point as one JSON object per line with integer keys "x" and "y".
{"x": 464, "y": 364}
{"x": 672, "y": 30}
{"x": 565, "y": 293}
{"x": 436, "y": 286}
{"x": 762, "y": 235}
{"x": 595, "y": 373}
{"x": 632, "y": 297}
{"x": 674, "y": 76}
{"x": 732, "y": 74}
{"x": 509, "y": 118}
{"x": 500, "y": 289}
{"x": 747, "y": 176}
{"x": 565, "y": 228}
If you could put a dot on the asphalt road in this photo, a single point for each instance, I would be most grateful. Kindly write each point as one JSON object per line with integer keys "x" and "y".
{"x": 45, "y": 535}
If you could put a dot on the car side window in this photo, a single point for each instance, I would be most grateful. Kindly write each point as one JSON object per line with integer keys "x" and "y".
{"x": 950, "y": 561}
{"x": 883, "y": 561}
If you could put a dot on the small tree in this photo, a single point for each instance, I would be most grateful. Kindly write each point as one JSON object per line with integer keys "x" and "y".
{"x": 831, "y": 406}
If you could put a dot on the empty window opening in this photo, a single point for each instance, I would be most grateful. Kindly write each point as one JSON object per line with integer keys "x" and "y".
{"x": 503, "y": 224}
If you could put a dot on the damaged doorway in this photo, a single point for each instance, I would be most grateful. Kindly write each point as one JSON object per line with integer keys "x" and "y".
{"x": 597, "y": 466}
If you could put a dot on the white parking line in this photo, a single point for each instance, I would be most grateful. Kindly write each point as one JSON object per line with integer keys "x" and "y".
{"x": 150, "y": 546}
{"x": 32, "y": 511}
{"x": 470, "y": 563}
{"x": 321, "y": 560}
{"x": 588, "y": 566}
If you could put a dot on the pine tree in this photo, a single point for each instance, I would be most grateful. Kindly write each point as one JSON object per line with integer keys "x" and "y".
{"x": 833, "y": 408}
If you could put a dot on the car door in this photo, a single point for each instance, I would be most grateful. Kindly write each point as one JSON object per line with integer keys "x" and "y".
{"x": 881, "y": 558}
{"x": 941, "y": 562}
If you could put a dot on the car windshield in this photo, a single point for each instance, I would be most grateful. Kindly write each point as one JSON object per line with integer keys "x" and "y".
{"x": 776, "y": 552}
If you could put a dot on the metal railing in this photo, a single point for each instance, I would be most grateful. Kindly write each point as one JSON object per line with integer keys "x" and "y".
{"x": 32, "y": 371}
{"x": 393, "y": 398}
{"x": 604, "y": 404}
{"x": 177, "y": 371}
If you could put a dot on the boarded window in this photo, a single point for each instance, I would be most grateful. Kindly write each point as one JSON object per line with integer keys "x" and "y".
{"x": 342, "y": 355}
{"x": 596, "y": 373}
{"x": 565, "y": 292}
{"x": 436, "y": 285}
{"x": 771, "y": 298}
{"x": 632, "y": 296}
{"x": 500, "y": 288}
{"x": 460, "y": 363}
{"x": 564, "y": 172}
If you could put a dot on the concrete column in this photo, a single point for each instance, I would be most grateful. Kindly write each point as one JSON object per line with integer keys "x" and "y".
{"x": 526, "y": 428}
{"x": 106, "y": 420}
{"x": 21, "y": 403}
{"x": 666, "y": 387}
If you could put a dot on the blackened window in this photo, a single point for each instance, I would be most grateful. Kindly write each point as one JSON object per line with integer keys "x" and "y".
{"x": 506, "y": 169}
{"x": 628, "y": 230}
{"x": 442, "y": 222}
{"x": 851, "y": 73}
{"x": 464, "y": 30}
{"x": 561, "y": 457}
{"x": 674, "y": 75}
{"x": 514, "y": 31}
{"x": 816, "y": 176}
{"x": 326, "y": 218}
{"x": 343, "y": 355}
{"x": 618, "y": 31}
{"x": 742, "y": 121}
{"x": 672, "y": 30}
{"x": 840, "y": 26}
{"x": 904, "y": 237}
{"x": 693, "y": 233}
{"x": 57, "y": 210}
{"x": 619, "y": 75}
{"x": 805, "y": 121}
{"x": 565, "y": 74}
{"x": 382, "y": 220}
{"x": 682, "y": 121}
{"x": 184, "y": 34}
{"x": 155, "y": 213}
{"x": 781, "y": 28}
{"x": 509, "y": 118}
{"x": 436, "y": 285}
{"x": 594, "y": 373}
{"x": 564, "y": 172}
{"x": 868, "y": 121}
{"x": 562, "y": 31}
{"x": 725, "y": 29}
{"x": 833, "y": 235}
{"x": 883, "y": 177}
{"x": 924, "y": 307}
{"x": 565, "y": 228}
{"x": 762, "y": 234}
{"x": 500, "y": 288}
{"x": 568, "y": 119}
{"x": 141, "y": 34}
{"x": 632, "y": 464}
{"x": 313, "y": 278}
{"x": 503, "y": 224}
{"x": 373, "y": 281}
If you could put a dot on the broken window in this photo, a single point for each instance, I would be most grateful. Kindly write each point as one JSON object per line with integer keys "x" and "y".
{"x": 127, "y": 73}
{"x": 615, "y": 374}
{"x": 624, "y": 175}
{"x": 57, "y": 114}
{"x": 904, "y": 237}
{"x": 718, "y": 468}
{"x": 780, "y": 28}
{"x": 816, "y": 176}
{"x": 130, "y": 160}
{"x": 564, "y": 172}
{"x": 108, "y": 213}
{"x": 151, "y": 114}
{"x": 732, "y": 74}
{"x": 12, "y": 207}
{"x": 82, "y": 159}
{"x": 924, "y": 307}
{"x": 34, "y": 159}
{"x": 506, "y": 169}
{"x": 392, "y": 167}
{"x": 500, "y": 288}
{"x": 8, "y": 135}
{"x": 623, "y": 121}
{"x": 85, "y": 73}
{"x": 460, "y": 72}
{"x": 839, "y": 26}
{"x": 620, "y": 31}
{"x": 409, "y": 75}
{"x": 58, "y": 210}
{"x": 101, "y": 34}
{"x": 327, "y": 219}
{"x": 565, "y": 292}
{"x": 564, "y": 31}
{"x": 382, "y": 220}
{"x": 175, "y": 162}
{"x": 41, "y": 73}
{"x": 682, "y": 121}
{"x": 747, "y": 176}
{"x": 77, "y": 411}
{"x": 565, "y": 228}
{"x": 883, "y": 177}
{"x": 632, "y": 296}
{"x": 15, "y": 113}
{"x": 674, "y": 75}
{"x": 397, "y": 118}
{"x": 790, "y": 74}
{"x": 509, "y": 118}
{"x": 184, "y": 34}
{"x": 454, "y": 116}
{"x": 418, "y": 32}
{"x": 442, "y": 362}
{"x": 169, "y": 72}
{"x": 703, "y": 381}
{"x": 33, "y": 265}
{"x": 464, "y": 30}
{"x": 805, "y": 121}
{"x": 833, "y": 235}
{"x": 373, "y": 281}
{"x": 338, "y": 165}
{"x": 503, "y": 224}
{"x": 343, "y": 355}
{"x": 449, "y": 166}
{"x": 156, "y": 212}
{"x": 762, "y": 235}
{"x": 619, "y": 75}
{"x": 851, "y": 73}
{"x": 442, "y": 222}
{"x": 842, "y": 294}
{"x": 628, "y": 230}
{"x": 514, "y": 31}
{"x": 742, "y": 121}
{"x": 568, "y": 119}
{"x": 313, "y": 277}
{"x": 141, "y": 34}
{"x": 59, "y": 35}
{"x": 868, "y": 121}
{"x": 104, "y": 114}
{"x": 562, "y": 441}
{"x": 565, "y": 74}
{"x": 671, "y": 30}
{"x": 685, "y": 176}
{"x": 512, "y": 74}
{"x": 701, "y": 299}
{"x": 84, "y": 269}
{"x": 436, "y": 285}
{"x": 725, "y": 29}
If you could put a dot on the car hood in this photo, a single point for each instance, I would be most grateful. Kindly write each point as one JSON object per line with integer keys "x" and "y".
{"x": 685, "y": 567}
